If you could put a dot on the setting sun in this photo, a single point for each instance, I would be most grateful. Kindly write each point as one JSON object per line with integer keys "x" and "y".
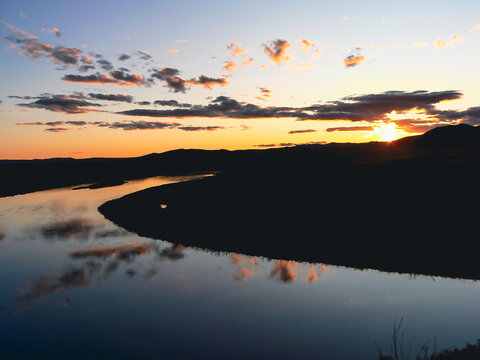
{"x": 385, "y": 132}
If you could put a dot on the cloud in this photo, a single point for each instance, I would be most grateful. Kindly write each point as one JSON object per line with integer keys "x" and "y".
{"x": 290, "y": 144}
{"x": 475, "y": 27}
{"x": 302, "y": 131}
{"x": 350, "y": 128}
{"x": 208, "y": 82}
{"x": 234, "y": 47}
{"x": 139, "y": 125}
{"x": 30, "y": 46}
{"x": 181, "y": 41}
{"x": 247, "y": 62}
{"x": 124, "y": 57}
{"x": 111, "y": 97}
{"x": 419, "y": 45}
{"x": 57, "y": 130}
{"x": 169, "y": 76}
{"x": 144, "y": 55}
{"x": 22, "y": 15}
{"x": 353, "y": 60}
{"x": 373, "y": 107}
{"x": 86, "y": 60}
{"x": 172, "y": 51}
{"x": 53, "y": 31}
{"x": 143, "y": 103}
{"x": 441, "y": 43}
{"x": 117, "y": 77}
{"x": 62, "y": 103}
{"x": 230, "y": 65}
{"x": 201, "y": 128}
{"x": 171, "y": 103}
{"x": 277, "y": 51}
{"x": 127, "y": 79}
{"x": 307, "y": 45}
{"x": 105, "y": 64}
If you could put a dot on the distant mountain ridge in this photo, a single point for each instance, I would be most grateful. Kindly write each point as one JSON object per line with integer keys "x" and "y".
{"x": 23, "y": 176}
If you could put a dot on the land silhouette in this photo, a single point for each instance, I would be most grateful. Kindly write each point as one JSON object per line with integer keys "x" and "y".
{"x": 409, "y": 205}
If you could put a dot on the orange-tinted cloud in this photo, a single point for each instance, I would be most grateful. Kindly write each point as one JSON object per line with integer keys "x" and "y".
{"x": 234, "y": 47}
{"x": 302, "y": 131}
{"x": 208, "y": 82}
{"x": 350, "y": 128}
{"x": 230, "y": 65}
{"x": 247, "y": 62}
{"x": 52, "y": 31}
{"x": 353, "y": 60}
{"x": 277, "y": 51}
{"x": 476, "y": 27}
{"x": 420, "y": 45}
{"x": 441, "y": 43}
{"x": 172, "y": 51}
{"x": 307, "y": 45}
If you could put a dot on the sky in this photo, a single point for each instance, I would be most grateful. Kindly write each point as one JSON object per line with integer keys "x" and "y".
{"x": 127, "y": 78}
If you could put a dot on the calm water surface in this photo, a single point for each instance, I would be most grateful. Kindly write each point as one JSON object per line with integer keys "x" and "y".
{"x": 74, "y": 285}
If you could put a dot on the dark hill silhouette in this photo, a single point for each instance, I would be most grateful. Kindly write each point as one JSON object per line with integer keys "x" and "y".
{"x": 406, "y": 206}
{"x": 23, "y": 176}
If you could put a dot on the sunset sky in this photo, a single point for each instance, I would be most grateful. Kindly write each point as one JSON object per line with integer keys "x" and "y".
{"x": 127, "y": 78}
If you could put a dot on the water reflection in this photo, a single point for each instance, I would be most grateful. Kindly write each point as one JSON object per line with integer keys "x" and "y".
{"x": 89, "y": 269}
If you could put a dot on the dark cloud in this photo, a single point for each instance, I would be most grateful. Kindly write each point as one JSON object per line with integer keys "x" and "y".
{"x": 169, "y": 76}
{"x": 302, "y": 131}
{"x": 350, "y": 128}
{"x": 91, "y": 79}
{"x": 126, "y": 78}
{"x": 201, "y": 128}
{"x": 56, "y": 129}
{"x": 111, "y": 97}
{"x": 372, "y": 107}
{"x": 85, "y": 68}
{"x": 62, "y": 103}
{"x": 290, "y": 144}
{"x": 222, "y": 106}
{"x": 105, "y": 64}
{"x": 30, "y": 46}
{"x": 208, "y": 82}
{"x": 144, "y": 55}
{"x": 143, "y": 103}
{"x": 177, "y": 84}
{"x": 124, "y": 57}
{"x": 117, "y": 77}
{"x": 139, "y": 125}
{"x": 171, "y": 103}
{"x": 76, "y": 123}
